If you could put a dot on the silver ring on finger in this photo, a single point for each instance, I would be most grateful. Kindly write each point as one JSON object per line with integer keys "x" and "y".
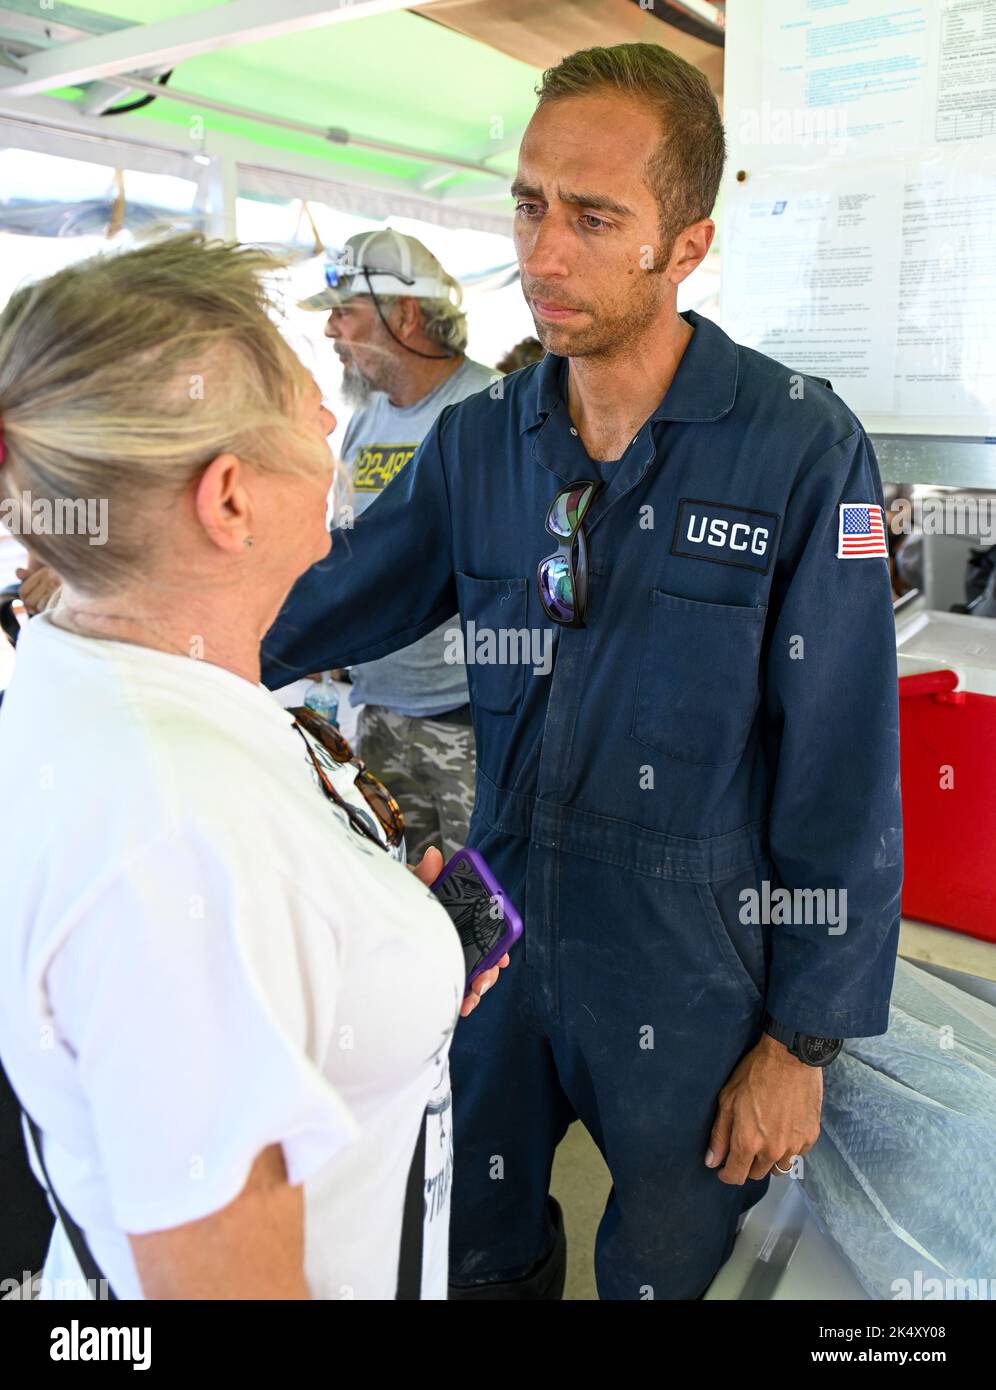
{"x": 783, "y": 1171}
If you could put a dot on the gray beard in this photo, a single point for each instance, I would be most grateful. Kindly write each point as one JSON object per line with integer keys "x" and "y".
{"x": 356, "y": 388}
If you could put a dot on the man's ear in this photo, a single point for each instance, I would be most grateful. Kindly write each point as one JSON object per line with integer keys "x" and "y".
{"x": 410, "y": 313}
{"x": 690, "y": 249}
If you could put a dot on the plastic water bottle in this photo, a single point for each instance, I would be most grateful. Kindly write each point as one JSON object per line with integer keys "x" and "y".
{"x": 322, "y": 698}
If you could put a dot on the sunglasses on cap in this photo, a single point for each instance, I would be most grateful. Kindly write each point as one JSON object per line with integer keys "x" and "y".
{"x": 339, "y": 274}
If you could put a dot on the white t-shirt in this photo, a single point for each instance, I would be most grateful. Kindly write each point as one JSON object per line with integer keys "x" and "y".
{"x": 200, "y": 958}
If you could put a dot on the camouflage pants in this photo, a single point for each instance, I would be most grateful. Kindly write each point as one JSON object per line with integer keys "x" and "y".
{"x": 428, "y": 766}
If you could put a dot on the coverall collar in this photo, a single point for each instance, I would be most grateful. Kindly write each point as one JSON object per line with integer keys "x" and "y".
{"x": 704, "y": 386}
{"x": 703, "y": 389}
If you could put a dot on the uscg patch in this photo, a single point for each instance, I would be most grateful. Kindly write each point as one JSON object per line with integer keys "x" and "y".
{"x": 725, "y": 534}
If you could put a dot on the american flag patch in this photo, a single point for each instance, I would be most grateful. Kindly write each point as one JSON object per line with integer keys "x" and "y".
{"x": 861, "y": 532}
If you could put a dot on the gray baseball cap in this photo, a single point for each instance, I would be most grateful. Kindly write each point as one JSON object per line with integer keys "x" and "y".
{"x": 381, "y": 262}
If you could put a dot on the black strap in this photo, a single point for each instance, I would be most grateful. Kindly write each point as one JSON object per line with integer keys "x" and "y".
{"x": 89, "y": 1266}
{"x": 460, "y": 715}
{"x": 413, "y": 1223}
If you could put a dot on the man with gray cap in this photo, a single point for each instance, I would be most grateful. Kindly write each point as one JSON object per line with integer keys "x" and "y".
{"x": 398, "y": 329}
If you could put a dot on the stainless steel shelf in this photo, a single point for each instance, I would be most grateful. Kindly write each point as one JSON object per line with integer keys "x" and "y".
{"x": 944, "y": 460}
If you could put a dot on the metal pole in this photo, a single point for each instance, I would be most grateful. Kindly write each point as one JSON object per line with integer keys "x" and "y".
{"x": 335, "y": 134}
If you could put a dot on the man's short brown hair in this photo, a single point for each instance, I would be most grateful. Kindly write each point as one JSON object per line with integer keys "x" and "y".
{"x": 685, "y": 170}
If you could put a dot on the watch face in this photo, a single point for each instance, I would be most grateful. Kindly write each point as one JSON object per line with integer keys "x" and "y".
{"x": 818, "y": 1051}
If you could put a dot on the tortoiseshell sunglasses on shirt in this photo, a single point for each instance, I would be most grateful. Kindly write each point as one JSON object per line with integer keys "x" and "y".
{"x": 371, "y": 788}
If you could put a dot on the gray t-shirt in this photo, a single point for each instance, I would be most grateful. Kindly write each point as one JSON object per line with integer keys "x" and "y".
{"x": 380, "y": 439}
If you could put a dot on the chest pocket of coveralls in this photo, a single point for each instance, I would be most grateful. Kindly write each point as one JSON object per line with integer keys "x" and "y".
{"x": 697, "y": 690}
{"x": 493, "y": 651}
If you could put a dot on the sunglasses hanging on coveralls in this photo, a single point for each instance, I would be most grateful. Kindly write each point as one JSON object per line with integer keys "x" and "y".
{"x": 562, "y": 578}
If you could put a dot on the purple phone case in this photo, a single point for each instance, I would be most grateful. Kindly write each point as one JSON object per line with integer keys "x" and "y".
{"x": 459, "y": 889}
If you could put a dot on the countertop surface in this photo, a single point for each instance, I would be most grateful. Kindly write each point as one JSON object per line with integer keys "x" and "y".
{"x": 919, "y": 941}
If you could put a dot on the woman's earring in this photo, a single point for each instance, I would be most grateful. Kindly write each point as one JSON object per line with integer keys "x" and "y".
{"x": 247, "y": 540}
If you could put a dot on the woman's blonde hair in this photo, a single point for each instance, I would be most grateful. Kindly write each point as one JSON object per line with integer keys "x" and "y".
{"x": 122, "y": 376}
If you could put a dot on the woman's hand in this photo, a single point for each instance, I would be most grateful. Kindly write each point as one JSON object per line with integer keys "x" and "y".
{"x": 480, "y": 985}
{"x": 427, "y": 872}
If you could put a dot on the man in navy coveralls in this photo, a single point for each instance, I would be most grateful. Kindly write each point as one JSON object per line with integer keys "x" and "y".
{"x": 720, "y": 723}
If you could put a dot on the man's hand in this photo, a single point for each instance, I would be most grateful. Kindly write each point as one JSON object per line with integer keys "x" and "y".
{"x": 427, "y": 872}
{"x": 38, "y": 584}
{"x": 769, "y": 1110}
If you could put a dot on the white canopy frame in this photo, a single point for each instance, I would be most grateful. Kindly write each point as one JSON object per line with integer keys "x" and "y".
{"x": 50, "y": 125}
{"x": 169, "y": 42}
{"x": 73, "y": 45}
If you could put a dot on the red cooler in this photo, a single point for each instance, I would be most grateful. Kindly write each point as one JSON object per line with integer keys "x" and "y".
{"x": 947, "y": 724}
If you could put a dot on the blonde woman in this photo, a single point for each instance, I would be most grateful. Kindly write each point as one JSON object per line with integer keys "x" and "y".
{"x": 227, "y": 1009}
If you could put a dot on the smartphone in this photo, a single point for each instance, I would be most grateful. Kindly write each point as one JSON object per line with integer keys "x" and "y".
{"x": 486, "y": 921}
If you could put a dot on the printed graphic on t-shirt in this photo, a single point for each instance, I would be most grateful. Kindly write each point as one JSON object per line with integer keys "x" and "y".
{"x": 438, "y": 1157}
{"x": 438, "y": 1164}
{"x": 376, "y": 464}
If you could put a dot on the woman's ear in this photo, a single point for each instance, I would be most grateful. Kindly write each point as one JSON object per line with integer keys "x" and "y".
{"x": 223, "y": 503}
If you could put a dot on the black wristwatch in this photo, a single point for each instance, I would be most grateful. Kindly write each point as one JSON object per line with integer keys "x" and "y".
{"x": 814, "y": 1051}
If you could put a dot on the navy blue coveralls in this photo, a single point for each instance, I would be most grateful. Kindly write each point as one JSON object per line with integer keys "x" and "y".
{"x": 728, "y": 715}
